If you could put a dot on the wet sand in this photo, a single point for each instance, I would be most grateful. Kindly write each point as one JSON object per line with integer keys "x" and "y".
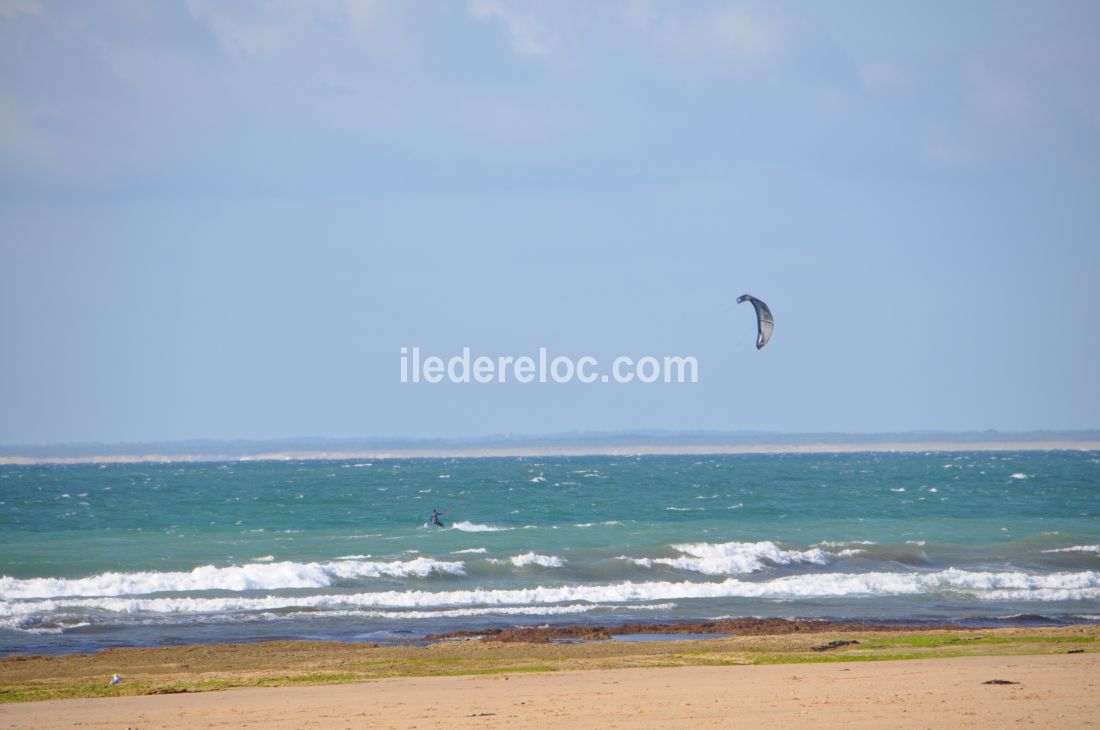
{"x": 1055, "y": 691}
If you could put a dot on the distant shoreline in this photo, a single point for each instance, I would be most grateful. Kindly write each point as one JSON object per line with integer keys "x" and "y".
{"x": 535, "y": 450}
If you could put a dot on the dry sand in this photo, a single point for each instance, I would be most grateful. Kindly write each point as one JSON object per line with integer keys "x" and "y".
{"x": 1056, "y": 691}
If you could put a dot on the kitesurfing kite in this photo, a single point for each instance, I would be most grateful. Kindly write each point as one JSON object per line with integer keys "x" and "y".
{"x": 764, "y": 321}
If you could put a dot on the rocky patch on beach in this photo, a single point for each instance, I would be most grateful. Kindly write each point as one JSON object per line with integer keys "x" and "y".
{"x": 738, "y": 627}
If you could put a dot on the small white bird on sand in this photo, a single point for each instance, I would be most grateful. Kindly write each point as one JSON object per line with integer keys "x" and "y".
{"x": 114, "y": 680}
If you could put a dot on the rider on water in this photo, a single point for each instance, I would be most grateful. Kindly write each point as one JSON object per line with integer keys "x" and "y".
{"x": 434, "y": 519}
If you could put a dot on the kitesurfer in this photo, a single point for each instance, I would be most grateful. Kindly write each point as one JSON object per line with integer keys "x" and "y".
{"x": 435, "y": 518}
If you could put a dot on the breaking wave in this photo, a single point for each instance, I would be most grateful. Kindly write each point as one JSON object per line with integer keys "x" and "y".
{"x": 981, "y": 585}
{"x": 733, "y": 558}
{"x": 253, "y": 576}
{"x": 33, "y": 625}
{"x": 475, "y": 527}
{"x": 532, "y": 558}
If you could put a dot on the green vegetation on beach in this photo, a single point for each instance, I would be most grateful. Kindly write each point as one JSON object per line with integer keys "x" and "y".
{"x": 203, "y": 668}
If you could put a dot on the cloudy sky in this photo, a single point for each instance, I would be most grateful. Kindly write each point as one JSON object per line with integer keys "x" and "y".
{"x": 224, "y": 220}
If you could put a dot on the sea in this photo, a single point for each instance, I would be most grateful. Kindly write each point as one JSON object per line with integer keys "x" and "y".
{"x": 108, "y": 555}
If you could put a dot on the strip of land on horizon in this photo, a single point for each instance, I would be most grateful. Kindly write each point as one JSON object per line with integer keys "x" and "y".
{"x": 549, "y": 446}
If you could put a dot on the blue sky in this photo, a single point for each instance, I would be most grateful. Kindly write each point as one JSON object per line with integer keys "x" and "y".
{"x": 224, "y": 220}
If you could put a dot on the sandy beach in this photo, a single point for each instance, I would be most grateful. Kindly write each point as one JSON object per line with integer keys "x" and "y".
{"x": 1057, "y": 691}
{"x": 846, "y": 678}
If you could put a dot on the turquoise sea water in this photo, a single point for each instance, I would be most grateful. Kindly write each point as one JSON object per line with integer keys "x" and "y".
{"x": 110, "y": 555}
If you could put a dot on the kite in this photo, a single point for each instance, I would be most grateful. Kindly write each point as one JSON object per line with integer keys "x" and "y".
{"x": 764, "y": 321}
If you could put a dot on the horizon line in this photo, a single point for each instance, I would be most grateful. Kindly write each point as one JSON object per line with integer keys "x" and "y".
{"x": 577, "y": 443}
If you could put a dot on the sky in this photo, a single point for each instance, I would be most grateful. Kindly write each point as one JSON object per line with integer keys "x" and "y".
{"x": 225, "y": 220}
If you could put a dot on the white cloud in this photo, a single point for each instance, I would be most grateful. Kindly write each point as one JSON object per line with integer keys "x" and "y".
{"x": 730, "y": 32}
{"x": 999, "y": 95}
{"x": 12, "y": 9}
{"x": 28, "y": 146}
{"x": 257, "y": 29}
{"x": 361, "y": 15}
{"x": 879, "y": 75}
{"x": 257, "y": 32}
{"x": 526, "y": 34}
{"x": 738, "y": 33}
{"x": 640, "y": 14}
{"x": 940, "y": 155}
{"x": 744, "y": 32}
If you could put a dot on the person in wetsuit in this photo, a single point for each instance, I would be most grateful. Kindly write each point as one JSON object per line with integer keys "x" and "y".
{"x": 435, "y": 518}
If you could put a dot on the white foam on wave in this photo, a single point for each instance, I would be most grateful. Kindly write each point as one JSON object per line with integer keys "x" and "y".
{"x": 475, "y": 527}
{"x": 532, "y": 558}
{"x": 573, "y": 608}
{"x": 469, "y": 550}
{"x": 732, "y": 558}
{"x": 1076, "y": 549}
{"x": 1018, "y": 475}
{"x": 980, "y": 585}
{"x": 30, "y": 625}
{"x": 250, "y": 577}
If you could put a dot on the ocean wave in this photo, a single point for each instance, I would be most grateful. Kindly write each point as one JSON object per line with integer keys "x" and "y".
{"x": 980, "y": 585}
{"x": 1076, "y": 549}
{"x": 474, "y": 527}
{"x": 532, "y": 558}
{"x": 733, "y": 558}
{"x": 573, "y": 608}
{"x": 33, "y": 625}
{"x": 33, "y": 628}
{"x": 250, "y": 577}
{"x": 469, "y": 550}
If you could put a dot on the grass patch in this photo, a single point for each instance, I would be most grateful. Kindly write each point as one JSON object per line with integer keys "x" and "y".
{"x": 847, "y": 657}
{"x": 210, "y": 668}
{"x": 938, "y": 640}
